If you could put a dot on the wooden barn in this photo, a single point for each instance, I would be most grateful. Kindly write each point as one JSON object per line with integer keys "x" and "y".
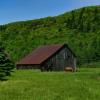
{"x": 49, "y": 58}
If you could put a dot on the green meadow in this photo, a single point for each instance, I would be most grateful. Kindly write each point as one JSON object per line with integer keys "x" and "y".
{"x": 35, "y": 85}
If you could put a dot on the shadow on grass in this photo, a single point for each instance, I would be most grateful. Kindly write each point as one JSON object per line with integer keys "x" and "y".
{"x": 3, "y": 79}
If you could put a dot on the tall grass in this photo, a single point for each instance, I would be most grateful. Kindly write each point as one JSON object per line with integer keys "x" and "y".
{"x": 35, "y": 85}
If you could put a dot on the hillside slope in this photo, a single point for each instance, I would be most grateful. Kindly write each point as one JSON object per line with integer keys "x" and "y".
{"x": 79, "y": 28}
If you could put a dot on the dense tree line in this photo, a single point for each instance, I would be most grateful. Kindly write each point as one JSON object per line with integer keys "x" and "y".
{"x": 84, "y": 19}
{"x": 80, "y": 29}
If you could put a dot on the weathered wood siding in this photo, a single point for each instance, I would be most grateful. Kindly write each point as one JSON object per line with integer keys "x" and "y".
{"x": 28, "y": 66}
{"x": 58, "y": 62}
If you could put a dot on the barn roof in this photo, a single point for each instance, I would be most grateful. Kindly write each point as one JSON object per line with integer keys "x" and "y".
{"x": 41, "y": 54}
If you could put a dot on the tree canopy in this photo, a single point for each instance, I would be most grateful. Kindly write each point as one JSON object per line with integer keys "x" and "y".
{"x": 79, "y": 28}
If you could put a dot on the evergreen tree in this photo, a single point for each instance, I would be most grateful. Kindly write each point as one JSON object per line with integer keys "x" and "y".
{"x": 73, "y": 19}
{"x": 6, "y": 65}
{"x": 81, "y": 19}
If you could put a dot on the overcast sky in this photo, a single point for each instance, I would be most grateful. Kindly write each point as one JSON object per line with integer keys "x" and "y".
{"x": 18, "y": 10}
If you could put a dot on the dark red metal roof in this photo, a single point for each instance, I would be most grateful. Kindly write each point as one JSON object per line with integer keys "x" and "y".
{"x": 40, "y": 54}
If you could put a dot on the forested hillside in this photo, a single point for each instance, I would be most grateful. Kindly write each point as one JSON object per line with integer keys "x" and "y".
{"x": 80, "y": 29}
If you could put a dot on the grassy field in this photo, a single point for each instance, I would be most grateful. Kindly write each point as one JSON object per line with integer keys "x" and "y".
{"x": 35, "y": 85}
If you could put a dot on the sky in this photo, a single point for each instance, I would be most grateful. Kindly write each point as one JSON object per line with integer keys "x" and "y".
{"x": 20, "y": 10}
